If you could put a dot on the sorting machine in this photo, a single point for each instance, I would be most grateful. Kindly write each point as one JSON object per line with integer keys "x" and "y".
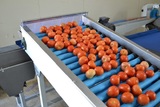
{"x": 62, "y": 70}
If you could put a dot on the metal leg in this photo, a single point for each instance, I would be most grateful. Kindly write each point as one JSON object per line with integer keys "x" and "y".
{"x": 21, "y": 100}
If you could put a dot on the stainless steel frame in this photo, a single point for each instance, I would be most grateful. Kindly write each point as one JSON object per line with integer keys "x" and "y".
{"x": 69, "y": 86}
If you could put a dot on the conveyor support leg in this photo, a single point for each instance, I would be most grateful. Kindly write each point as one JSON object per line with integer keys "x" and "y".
{"x": 21, "y": 100}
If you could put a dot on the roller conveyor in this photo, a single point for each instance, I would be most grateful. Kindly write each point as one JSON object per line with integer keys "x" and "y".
{"x": 90, "y": 89}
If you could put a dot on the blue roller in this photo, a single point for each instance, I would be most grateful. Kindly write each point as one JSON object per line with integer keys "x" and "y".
{"x": 82, "y": 77}
{"x": 77, "y": 71}
{"x": 40, "y": 35}
{"x": 73, "y": 65}
{"x": 59, "y": 52}
{"x": 70, "y": 60}
{"x": 65, "y": 56}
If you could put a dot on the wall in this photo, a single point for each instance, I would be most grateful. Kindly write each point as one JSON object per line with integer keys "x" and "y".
{"x": 13, "y": 12}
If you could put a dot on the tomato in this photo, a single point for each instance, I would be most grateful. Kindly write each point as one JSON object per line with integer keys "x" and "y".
{"x": 93, "y": 51}
{"x": 93, "y": 41}
{"x": 58, "y": 38}
{"x": 145, "y": 63}
{"x": 66, "y": 43}
{"x": 130, "y": 71}
{"x": 113, "y": 56}
{"x": 73, "y": 36}
{"x": 100, "y": 48}
{"x": 59, "y": 32}
{"x": 115, "y": 49}
{"x": 76, "y": 51}
{"x": 73, "y": 32}
{"x": 106, "y": 47}
{"x": 106, "y": 66}
{"x": 57, "y": 28}
{"x": 101, "y": 53}
{"x": 90, "y": 73}
{"x": 86, "y": 41}
{"x": 74, "y": 23}
{"x": 91, "y": 36}
{"x": 123, "y": 76}
{"x": 78, "y": 40}
{"x": 113, "y": 91}
{"x": 124, "y": 52}
{"x": 124, "y": 65}
{"x": 139, "y": 67}
{"x": 143, "y": 99}
{"x": 65, "y": 35}
{"x": 100, "y": 43}
{"x": 85, "y": 37}
{"x": 43, "y": 29}
{"x": 45, "y": 39}
{"x": 87, "y": 30}
{"x": 80, "y": 35}
{"x": 124, "y": 88}
{"x": 132, "y": 81}
{"x": 51, "y": 27}
{"x": 81, "y": 53}
{"x": 73, "y": 41}
{"x": 59, "y": 45}
{"x": 124, "y": 58}
{"x": 113, "y": 102}
{"x": 66, "y": 31}
{"x": 91, "y": 64}
{"x": 109, "y": 51}
{"x": 70, "y": 48}
{"x": 51, "y": 34}
{"x": 93, "y": 31}
{"x": 79, "y": 45}
{"x": 114, "y": 63}
{"x": 149, "y": 73}
{"x": 83, "y": 60}
{"x": 136, "y": 90}
{"x": 107, "y": 40}
{"x": 84, "y": 48}
{"x": 141, "y": 75}
{"x": 99, "y": 70}
{"x": 151, "y": 95}
{"x": 114, "y": 43}
{"x": 127, "y": 97}
{"x": 84, "y": 68}
{"x": 51, "y": 43}
{"x": 90, "y": 45}
{"x": 105, "y": 58}
{"x": 92, "y": 57}
{"x": 49, "y": 30}
{"x": 115, "y": 79}
{"x": 98, "y": 38}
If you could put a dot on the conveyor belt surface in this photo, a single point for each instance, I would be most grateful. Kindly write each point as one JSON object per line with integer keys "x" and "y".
{"x": 99, "y": 84}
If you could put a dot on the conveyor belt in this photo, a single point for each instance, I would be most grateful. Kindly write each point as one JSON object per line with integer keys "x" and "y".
{"x": 99, "y": 84}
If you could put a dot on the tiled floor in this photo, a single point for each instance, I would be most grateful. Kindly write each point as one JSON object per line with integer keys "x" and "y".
{"x": 53, "y": 99}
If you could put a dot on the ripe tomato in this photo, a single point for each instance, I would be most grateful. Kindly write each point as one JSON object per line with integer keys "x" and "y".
{"x": 59, "y": 32}
{"x": 84, "y": 48}
{"x": 58, "y": 38}
{"x": 124, "y": 58}
{"x": 145, "y": 63}
{"x": 66, "y": 31}
{"x": 91, "y": 36}
{"x": 70, "y": 48}
{"x": 86, "y": 41}
{"x": 80, "y": 35}
{"x": 78, "y": 40}
{"x": 106, "y": 47}
{"x": 66, "y": 43}
{"x": 106, "y": 66}
{"x": 143, "y": 99}
{"x": 74, "y": 23}
{"x": 107, "y": 40}
{"x": 130, "y": 71}
{"x": 114, "y": 43}
{"x": 124, "y": 65}
{"x": 123, "y": 76}
{"x": 99, "y": 70}
{"x": 43, "y": 29}
{"x": 90, "y": 73}
{"x": 141, "y": 75}
{"x": 51, "y": 43}
{"x": 93, "y": 51}
{"x": 124, "y": 52}
{"x": 84, "y": 68}
{"x": 132, "y": 81}
{"x": 100, "y": 43}
{"x": 136, "y": 90}
{"x": 91, "y": 64}
{"x": 113, "y": 102}
{"x": 115, "y": 49}
{"x": 51, "y": 34}
{"x": 65, "y": 35}
{"x": 114, "y": 63}
{"x": 45, "y": 39}
{"x": 101, "y": 53}
{"x": 73, "y": 32}
{"x": 100, "y": 48}
{"x": 109, "y": 51}
{"x": 93, "y": 41}
{"x": 79, "y": 45}
{"x": 90, "y": 45}
{"x": 73, "y": 36}
{"x": 81, "y": 53}
{"x": 149, "y": 73}
{"x": 105, "y": 58}
{"x": 127, "y": 97}
{"x": 92, "y": 57}
{"x": 76, "y": 51}
{"x": 113, "y": 91}
{"x": 115, "y": 80}
{"x": 59, "y": 45}
{"x": 113, "y": 56}
{"x": 73, "y": 41}
{"x": 151, "y": 95}
{"x": 139, "y": 67}
{"x": 124, "y": 88}
{"x": 83, "y": 60}
{"x": 93, "y": 31}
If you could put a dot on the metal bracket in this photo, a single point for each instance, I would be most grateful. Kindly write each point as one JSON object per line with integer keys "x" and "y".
{"x": 22, "y": 40}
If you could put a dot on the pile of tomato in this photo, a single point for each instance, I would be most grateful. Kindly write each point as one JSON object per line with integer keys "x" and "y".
{"x": 88, "y": 46}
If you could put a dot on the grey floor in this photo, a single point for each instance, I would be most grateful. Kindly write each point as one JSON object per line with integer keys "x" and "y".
{"x": 53, "y": 99}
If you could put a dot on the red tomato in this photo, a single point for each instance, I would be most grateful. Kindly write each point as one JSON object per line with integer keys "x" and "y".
{"x": 45, "y": 39}
{"x": 114, "y": 63}
{"x": 136, "y": 90}
{"x": 43, "y": 29}
{"x": 124, "y": 58}
{"x": 74, "y": 36}
{"x": 91, "y": 64}
{"x": 105, "y": 58}
{"x": 115, "y": 49}
{"x": 84, "y": 68}
{"x": 70, "y": 48}
{"x": 73, "y": 41}
{"x": 92, "y": 57}
{"x": 151, "y": 95}
{"x": 123, "y": 76}
{"x": 83, "y": 60}
{"x": 127, "y": 97}
{"x": 115, "y": 80}
{"x": 130, "y": 71}
{"x": 106, "y": 47}
{"x": 66, "y": 43}
{"x": 113, "y": 102}
{"x": 51, "y": 34}
{"x": 113, "y": 56}
{"x": 81, "y": 53}
{"x": 76, "y": 51}
{"x": 150, "y": 73}
{"x": 132, "y": 81}
{"x": 93, "y": 51}
{"x": 100, "y": 48}
{"x": 59, "y": 45}
{"x": 90, "y": 45}
{"x": 106, "y": 66}
{"x": 124, "y": 65}
{"x": 124, "y": 52}
{"x": 79, "y": 45}
{"x": 58, "y": 38}
{"x": 101, "y": 53}
{"x": 80, "y": 35}
{"x": 99, "y": 70}
{"x": 86, "y": 41}
{"x": 66, "y": 31}
{"x": 107, "y": 40}
{"x": 90, "y": 73}
{"x": 93, "y": 41}
{"x": 100, "y": 43}
{"x": 141, "y": 75}
{"x": 73, "y": 32}
{"x": 139, "y": 67}
{"x": 59, "y": 32}
{"x": 109, "y": 51}
{"x": 114, "y": 43}
{"x": 65, "y": 35}
{"x": 93, "y": 31}
{"x": 124, "y": 88}
{"x": 84, "y": 48}
{"x": 78, "y": 39}
{"x": 91, "y": 36}
{"x": 74, "y": 23}
{"x": 51, "y": 43}
{"x": 143, "y": 99}
{"x": 113, "y": 91}
{"x": 145, "y": 63}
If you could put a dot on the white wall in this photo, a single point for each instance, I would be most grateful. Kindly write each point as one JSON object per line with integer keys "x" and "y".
{"x": 12, "y": 12}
